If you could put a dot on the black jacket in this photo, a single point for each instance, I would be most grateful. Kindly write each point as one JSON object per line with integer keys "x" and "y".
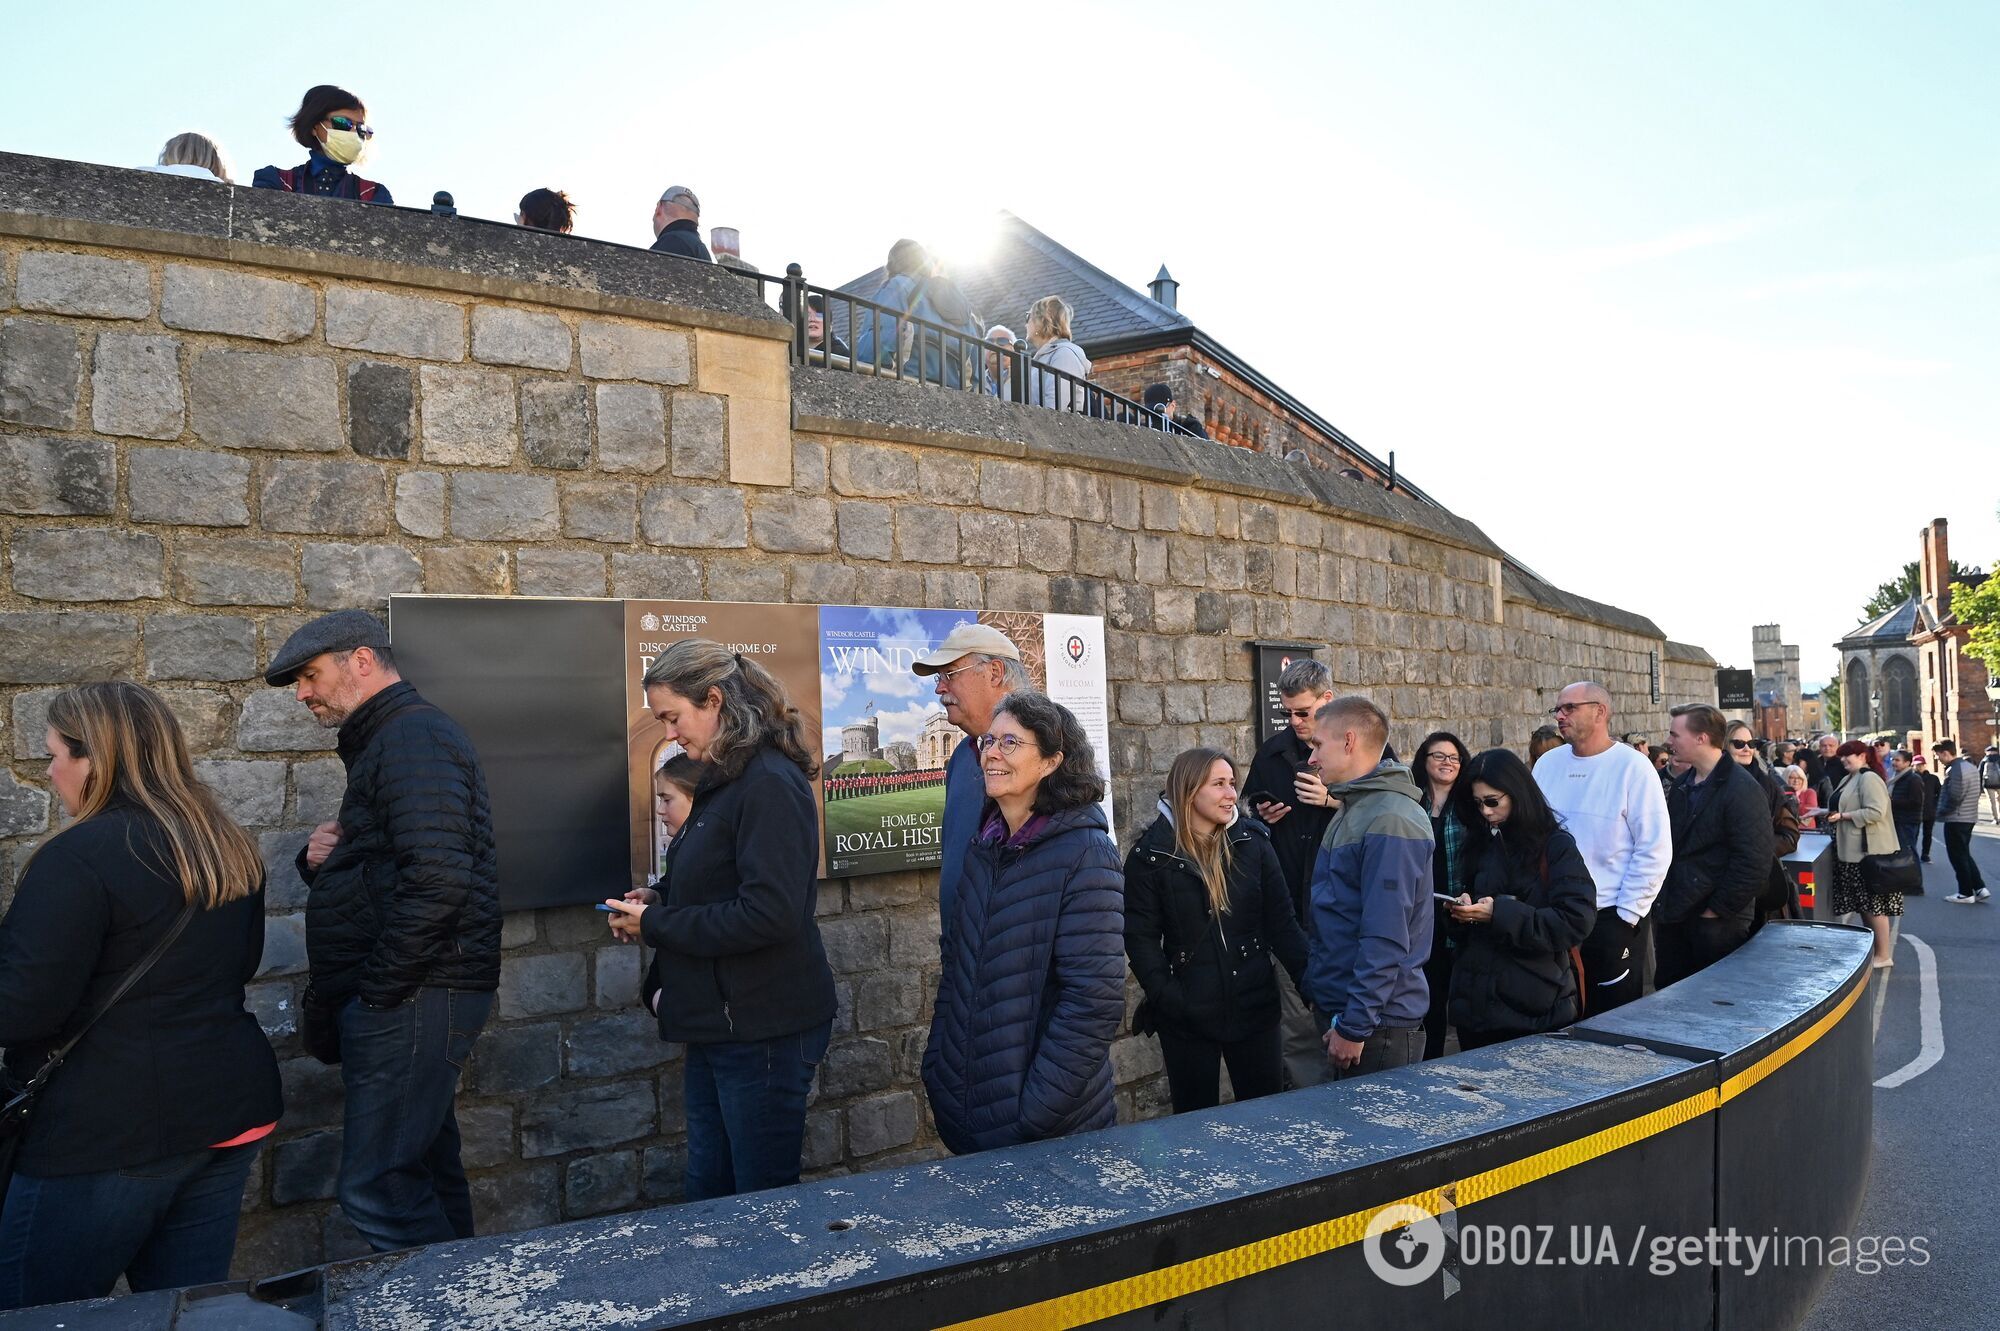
{"x": 1906, "y": 797}
{"x": 178, "y": 1064}
{"x": 682, "y": 238}
{"x": 1931, "y": 785}
{"x": 411, "y": 895}
{"x": 1776, "y": 895}
{"x": 739, "y": 955}
{"x": 1513, "y": 975}
{"x": 1206, "y": 975}
{"x": 1722, "y": 858}
{"x": 1296, "y": 836}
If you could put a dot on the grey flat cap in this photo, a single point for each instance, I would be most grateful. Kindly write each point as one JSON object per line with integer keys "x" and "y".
{"x": 341, "y": 631}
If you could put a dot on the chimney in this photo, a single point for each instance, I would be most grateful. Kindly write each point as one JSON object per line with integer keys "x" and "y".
{"x": 1164, "y": 289}
{"x": 1934, "y": 569}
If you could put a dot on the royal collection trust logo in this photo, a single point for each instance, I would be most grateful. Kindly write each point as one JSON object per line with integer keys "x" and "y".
{"x": 1404, "y": 1244}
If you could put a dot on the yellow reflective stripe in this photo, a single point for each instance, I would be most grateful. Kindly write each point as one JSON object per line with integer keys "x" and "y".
{"x": 1183, "y": 1278}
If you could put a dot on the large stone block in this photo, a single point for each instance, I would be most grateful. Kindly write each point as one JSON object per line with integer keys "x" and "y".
{"x": 66, "y": 647}
{"x": 188, "y": 487}
{"x": 325, "y": 498}
{"x": 24, "y": 810}
{"x": 420, "y": 503}
{"x": 253, "y": 791}
{"x": 88, "y": 564}
{"x": 319, "y": 784}
{"x": 600, "y": 511}
{"x": 926, "y": 535}
{"x": 944, "y": 479}
{"x": 273, "y": 721}
{"x": 1074, "y": 494}
{"x": 511, "y": 1059}
{"x": 953, "y": 589}
{"x": 284, "y": 946}
{"x": 469, "y": 417}
{"x": 989, "y": 540}
{"x": 631, "y": 428}
{"x": 504, "y": 508}
{"x": 655, "y": 577}
{"x": 234, "y": 571}
{"x": 854, "y": 1067}
{"x": 381, "y": 409}
{"x": 808, "y": 466}
{"x": 817, "y": 583}
{"x": 502, "y": 335}
{"x": 750, "y": 579}
{"x": 634, "y": 351}
{"x": 200, "y": 647}
{"x": 555, "y": 424}
{"x": 1013, "y": 486}
{"x": 57, "y": 477}
{"x": 345, "y": 577}
{"x": 542, "y": 571}
{"x": 792, "y": 524}
{"x": 597, "y": 1184}
{"x": 486, "y": 1135}
{"x": 588, "y": 1119}
{"x": 867, "y": 471}
{"x": 616, "y": 1046}
{"x": 41, "y": 374}
{"x": 394, "y": 325}
{"x": 701, "y": 451}
{"x": 135, "y": 386}
{"x": 84, "y": 284}
{"x": 867, "y": 530}
{"x": 696, "y": 517}
{"x": 223, "y": 300}
{"x": 466, "y": 570}
{"x": 1048, "y": 544}
{"x": 616, "y": 980}
{"x": 205, "y": 716}
{"x": 31, "y": 720}
{"x": 754, "y": 375}
{"x": 542, "y": 986}
{"x": 250, "y": 399}
{"x": 881, "y": 1123}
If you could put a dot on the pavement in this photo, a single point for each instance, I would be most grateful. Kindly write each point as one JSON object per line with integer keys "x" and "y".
{"x": 1934, "y": 1174}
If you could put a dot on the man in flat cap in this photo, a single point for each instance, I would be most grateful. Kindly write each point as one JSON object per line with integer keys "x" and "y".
{"x": 975, "y": 667}
{"x": 402, "y": 929}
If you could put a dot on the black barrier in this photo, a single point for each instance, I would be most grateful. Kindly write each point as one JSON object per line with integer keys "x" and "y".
{"x": 1548, "y": 1171}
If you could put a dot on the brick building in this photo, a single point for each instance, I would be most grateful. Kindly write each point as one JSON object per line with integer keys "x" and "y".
{"x": 1136, "y": 339}
{"x": 1953, "y": 683}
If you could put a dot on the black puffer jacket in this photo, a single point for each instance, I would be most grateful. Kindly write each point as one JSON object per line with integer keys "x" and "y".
{"x": 411, "y": 895}
{"x": 1206, "y": 975}
{"x": 1513, "y": 976}
{"x": 1722, "y": 855}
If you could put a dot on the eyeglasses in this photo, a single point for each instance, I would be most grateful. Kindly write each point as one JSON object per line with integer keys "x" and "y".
{"x": 947, "y": 674}
{"x": 1565, "y": 708}
{"x": 342, "y": 122}
{"x": 1742, "y": 743}
{"x": 1009, "y": 745}
{"x": 1489, "y": 801}
{"x": 1451, "y": 759}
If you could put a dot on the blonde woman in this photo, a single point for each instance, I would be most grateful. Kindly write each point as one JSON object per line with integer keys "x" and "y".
{"x": 1048, "y": 335}
{"x": 194, "y": 155}
{"x": 134, "y": 1160}
{"x": 1206, "y": 910}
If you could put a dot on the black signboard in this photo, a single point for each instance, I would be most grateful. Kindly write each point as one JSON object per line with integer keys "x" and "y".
{"x": 1270, "y": 659}
{"x": 1734, "y": 690}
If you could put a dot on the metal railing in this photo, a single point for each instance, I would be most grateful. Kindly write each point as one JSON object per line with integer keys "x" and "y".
{"x": 903, "y": 346}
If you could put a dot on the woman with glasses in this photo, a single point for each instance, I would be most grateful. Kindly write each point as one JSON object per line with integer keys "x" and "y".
{"x": 1776, "y": 899}
{"x": 1032, "y": 988}
{"x": 332, "y": 126}
{"x": 1528, "y": 902}
{"x": 1440, "y": 760}
{"x": 1206, "y": 910}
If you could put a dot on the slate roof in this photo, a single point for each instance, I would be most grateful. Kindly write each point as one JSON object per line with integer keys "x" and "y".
{"x": 1892, "y": 626}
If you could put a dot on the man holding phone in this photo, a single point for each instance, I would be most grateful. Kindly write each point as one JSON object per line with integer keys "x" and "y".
{"x": 1286, "y": 793}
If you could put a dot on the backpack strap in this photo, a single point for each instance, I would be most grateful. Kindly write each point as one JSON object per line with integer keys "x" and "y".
{"x": 131, "y": 977}
{"x": 288, "y": 180}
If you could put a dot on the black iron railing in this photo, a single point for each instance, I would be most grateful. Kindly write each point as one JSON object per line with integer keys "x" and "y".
{"x": 901, "y": 345}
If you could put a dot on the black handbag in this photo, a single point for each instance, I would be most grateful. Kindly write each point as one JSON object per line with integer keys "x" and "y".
{"x": 1897, "y": 871}
{"x": 20, "y": 1105}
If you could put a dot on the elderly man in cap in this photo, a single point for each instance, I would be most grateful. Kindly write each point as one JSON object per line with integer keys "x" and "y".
{"x": 402, "y": 929}
{"x": 677, "y": 225}
{"x": 974, "y": 668}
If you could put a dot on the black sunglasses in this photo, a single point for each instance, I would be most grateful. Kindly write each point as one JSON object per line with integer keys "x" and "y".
{"x": 1742, "y": 743}
{"x": 1489, "y": 801}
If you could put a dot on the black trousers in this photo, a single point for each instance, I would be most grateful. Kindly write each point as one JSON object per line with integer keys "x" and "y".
{"x": 1614, "y": 961}
{"x": 1194, "y": 1068}
{"x": 1929, "y": 823}
{"x": 1437, "y": 972}
{"x": 1685, "y": 946}
{"x": 1958, "y": 845}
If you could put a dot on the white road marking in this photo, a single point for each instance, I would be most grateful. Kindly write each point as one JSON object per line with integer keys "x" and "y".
{"x": 1930, "y": 1020}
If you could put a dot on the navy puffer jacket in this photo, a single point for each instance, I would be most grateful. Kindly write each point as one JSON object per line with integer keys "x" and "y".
{"x": 1032, "y": 991}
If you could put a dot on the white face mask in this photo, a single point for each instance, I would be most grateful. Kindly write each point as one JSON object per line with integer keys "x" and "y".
{"x": 344, "y": 146}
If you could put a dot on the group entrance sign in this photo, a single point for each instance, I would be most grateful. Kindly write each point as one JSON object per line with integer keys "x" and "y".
{"x": 551, "y": 692}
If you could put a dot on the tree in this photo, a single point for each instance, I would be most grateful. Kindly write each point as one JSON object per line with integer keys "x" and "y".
{"x": 1901, "y": 588}
{"x": 1978, "y": 608}
{"x": 1829, "y": 705}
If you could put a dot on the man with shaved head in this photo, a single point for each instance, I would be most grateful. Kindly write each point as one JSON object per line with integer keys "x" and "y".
{"x": 1610, "y": 800}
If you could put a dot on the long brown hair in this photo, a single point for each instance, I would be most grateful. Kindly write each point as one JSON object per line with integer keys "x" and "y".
{"x": 756, "y": 710}
{"x": 1209, "y": 855}
{"x": 138, "y": 754}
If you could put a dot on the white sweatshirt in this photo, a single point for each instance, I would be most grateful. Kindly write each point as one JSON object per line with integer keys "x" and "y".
{"x": 1613, "y": 805}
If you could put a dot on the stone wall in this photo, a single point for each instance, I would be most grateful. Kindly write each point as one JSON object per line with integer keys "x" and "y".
{"x": 224, "y": 411}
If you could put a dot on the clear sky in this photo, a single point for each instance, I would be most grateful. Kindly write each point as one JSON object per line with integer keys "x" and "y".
{"x": 1693, "y": 307}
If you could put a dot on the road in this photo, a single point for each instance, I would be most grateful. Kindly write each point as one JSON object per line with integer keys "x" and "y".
{"x": 1933, "y": 1174}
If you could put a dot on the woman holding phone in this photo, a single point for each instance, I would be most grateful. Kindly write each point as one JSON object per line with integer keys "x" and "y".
{"x": 1528, "y": 901}
{"x": 1440, "y": 760}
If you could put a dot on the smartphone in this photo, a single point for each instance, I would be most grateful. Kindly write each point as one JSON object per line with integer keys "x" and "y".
{"x": 1256, "y": 797}
{"x": 606, "y": 909}
{"x": 1446, "y": 897}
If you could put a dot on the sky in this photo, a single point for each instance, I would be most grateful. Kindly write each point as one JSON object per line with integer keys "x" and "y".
{"x": 1693, "y": 308}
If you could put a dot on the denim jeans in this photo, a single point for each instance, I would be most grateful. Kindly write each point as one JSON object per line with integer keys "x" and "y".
{"x": 160, "y": 1225}
{"x": 746, "y": 1111}
{"x": 401, "y": 1182}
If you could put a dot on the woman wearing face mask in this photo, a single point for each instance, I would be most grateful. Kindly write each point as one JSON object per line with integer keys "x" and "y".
{"x": 1528, "y": 901}
{"x": 332, "y": 126}
{"x": 1206, "y": 909}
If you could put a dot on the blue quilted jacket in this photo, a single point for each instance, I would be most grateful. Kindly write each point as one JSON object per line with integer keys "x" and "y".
{"x": 1032, "y": 991}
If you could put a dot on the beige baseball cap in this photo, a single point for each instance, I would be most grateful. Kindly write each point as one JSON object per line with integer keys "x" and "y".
{"x": 965, "y": 640}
